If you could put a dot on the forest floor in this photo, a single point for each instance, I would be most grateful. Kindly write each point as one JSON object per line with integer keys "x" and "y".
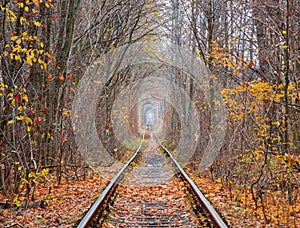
{"x": 55, "y": 205}
{"x": 64, "y": 204}
{"x": 238, "y": 207}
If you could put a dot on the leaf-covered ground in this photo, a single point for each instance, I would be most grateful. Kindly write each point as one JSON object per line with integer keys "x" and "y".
{"x": 62, "y": 205}
{"x": 67, "y": 202}
{"x": 239, "y": 209}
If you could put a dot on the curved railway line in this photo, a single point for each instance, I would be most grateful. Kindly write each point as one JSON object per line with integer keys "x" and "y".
{"x": 145, "y": 199}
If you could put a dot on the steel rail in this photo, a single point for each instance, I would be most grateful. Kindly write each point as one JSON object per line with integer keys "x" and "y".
{"x": 87, "y": 219}
{"x": 213, "y": 214}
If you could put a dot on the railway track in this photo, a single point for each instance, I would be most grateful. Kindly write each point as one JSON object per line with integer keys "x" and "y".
{"x": 149, "y": 195}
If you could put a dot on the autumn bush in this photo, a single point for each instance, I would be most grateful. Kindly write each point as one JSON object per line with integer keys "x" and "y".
{"x": 260, "y": 158}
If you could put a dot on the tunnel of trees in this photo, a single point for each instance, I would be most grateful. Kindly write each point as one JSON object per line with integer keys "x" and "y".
{"x": 251, "y": 47}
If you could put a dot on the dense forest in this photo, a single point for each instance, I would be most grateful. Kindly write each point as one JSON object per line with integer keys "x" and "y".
{"x": 252, "y": 48}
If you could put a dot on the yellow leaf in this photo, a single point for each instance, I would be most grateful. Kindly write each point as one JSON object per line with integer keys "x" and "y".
{"x": 36, "y": 23}
{"x": 21, "y": 4}
{"x": 17, "y": 57}
{"x": 31, "y": 174}
{"x": 22, "y": 19}
{"x": 25, "y": 98}
{"x": 28, "y": 120}
{"x": 29, "y": 60}
{"x": 17, "y": 201}
{"x": 43, "y": 66}
{"x": 44, "y": 172}
{"x": 17, "y": 48}
{"x": 24, "y": 180}
{"x": 13, "y": 38}
{"x": 10, "y": 122}
{"x": 12, "y": 16}
{"x": 36, "y": 2}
